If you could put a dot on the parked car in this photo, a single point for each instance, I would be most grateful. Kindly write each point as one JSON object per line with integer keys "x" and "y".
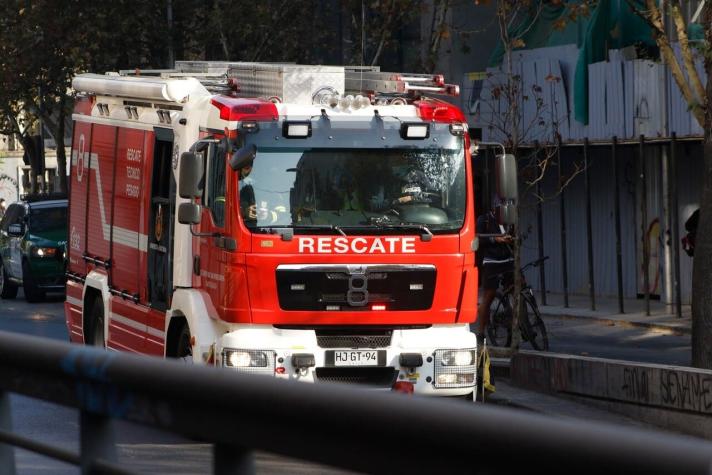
{"x": 33, "y": 239}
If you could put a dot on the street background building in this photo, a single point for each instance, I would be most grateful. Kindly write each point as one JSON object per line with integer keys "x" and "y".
{"x": 599, "y": 80}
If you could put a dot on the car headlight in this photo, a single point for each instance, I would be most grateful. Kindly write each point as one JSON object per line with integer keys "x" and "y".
{"x": 252, "y": 361}
{"x": 37, "y": 251}
{"x": 455, "y": 368}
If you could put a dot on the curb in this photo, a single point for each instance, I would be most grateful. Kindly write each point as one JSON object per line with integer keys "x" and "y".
{"x": 676, "y": 398}
{"x": 669, "y": 329}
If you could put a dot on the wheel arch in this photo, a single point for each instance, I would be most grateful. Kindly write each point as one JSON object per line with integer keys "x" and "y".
{"x": 193, "y": 308}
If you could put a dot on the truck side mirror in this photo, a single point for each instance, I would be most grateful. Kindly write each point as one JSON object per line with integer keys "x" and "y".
{"x": 243, "y": 157}
{"x": 189, "y": 213}
{"x": 507, "y": 214}
{"x": 506, "y": 172}
{"x": 191, "y": 170}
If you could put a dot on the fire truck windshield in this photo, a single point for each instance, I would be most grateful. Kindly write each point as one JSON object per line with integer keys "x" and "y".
{"x": 352, "y": 191}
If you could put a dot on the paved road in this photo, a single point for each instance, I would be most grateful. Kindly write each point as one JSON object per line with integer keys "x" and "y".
{"x": 586, "y": 338}
{"x": 141, "y": 449}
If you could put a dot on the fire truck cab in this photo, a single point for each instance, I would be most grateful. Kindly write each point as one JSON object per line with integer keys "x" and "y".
{"x": 313, "y": 223}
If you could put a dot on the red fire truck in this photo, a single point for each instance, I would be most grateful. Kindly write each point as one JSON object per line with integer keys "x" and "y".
{"x": 313, "y": 223}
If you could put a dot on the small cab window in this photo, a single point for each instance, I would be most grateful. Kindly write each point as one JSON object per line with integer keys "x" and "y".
{"x": 215, "y": 184}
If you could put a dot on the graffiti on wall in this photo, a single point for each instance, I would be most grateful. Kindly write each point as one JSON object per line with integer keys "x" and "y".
{"x": 8, "y": 188}
{"x": 653, "y": 236}
{"x": 681, "y": 389}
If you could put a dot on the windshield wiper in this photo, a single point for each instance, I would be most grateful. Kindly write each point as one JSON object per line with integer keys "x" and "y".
{"x": 330, "y": 227}
{"x": 286, "y": 231}
{"x": 426, "y": 234}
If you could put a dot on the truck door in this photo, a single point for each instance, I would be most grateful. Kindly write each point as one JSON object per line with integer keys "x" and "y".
{"x": 213, "y": 252}
{"x": 160, "y": 225}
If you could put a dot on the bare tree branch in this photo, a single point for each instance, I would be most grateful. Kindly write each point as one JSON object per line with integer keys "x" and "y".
{"x": 692, "y": 74}
{"x": 654, "y": 18}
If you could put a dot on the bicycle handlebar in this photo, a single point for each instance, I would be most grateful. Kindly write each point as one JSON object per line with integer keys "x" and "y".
{"x": 535, "y": 263}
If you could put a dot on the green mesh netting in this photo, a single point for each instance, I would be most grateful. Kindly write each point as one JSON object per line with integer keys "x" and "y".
{"x": 611, "y": 24}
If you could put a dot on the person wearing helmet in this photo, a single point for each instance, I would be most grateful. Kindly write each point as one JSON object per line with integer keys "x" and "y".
{"x": 414, "y": 189}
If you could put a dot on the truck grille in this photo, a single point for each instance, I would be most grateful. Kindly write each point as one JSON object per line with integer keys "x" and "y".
{"x": 353, "y": 338}
{"x": 382, "y": 377}
{"x": 352, "y": 288}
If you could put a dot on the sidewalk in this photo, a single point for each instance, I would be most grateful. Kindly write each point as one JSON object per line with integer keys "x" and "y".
{"x": 563, "y": 405}
{"x": 662, "y": 317}
{"x": 556, "y": 406}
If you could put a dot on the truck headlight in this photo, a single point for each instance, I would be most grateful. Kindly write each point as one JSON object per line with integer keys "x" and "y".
{"x": 455, "y": 368}
{"x": 252, "y": 361}
{"x": 452, "y": 380}
{"x": 43, "y": 251}
{"x": 458, "y": 357}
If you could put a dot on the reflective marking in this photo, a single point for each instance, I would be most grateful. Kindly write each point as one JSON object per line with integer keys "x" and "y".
{"x": 136, "y": 325}
{"x": 74, "y": 301}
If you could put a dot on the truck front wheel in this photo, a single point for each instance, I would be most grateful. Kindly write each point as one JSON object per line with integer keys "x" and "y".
{"x": 96, "y": 326}
{"x": 184, "y": 349}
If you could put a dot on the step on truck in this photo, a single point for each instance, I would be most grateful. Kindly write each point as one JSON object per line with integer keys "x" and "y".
{"x": 313, "y": 223}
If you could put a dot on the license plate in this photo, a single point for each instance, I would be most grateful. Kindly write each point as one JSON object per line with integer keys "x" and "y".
{"x": 355, "y": 358}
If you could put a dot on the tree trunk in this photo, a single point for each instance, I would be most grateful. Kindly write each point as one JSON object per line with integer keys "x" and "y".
{"x": 57, "y": 126}
{"x": 61, "y": 153}
{"x": 702, "y": 264}
{"x": 517, "y": 304}
{"x": 28, "y": 146}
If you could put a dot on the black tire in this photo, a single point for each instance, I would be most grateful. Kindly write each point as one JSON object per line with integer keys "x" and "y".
{"x": 499, "y": 328}
{"x": 96, "y": 324}
{"x": 8, "y": 290}
{"x": 184, "y": 350}
{"x": 534, "y": 328}
{"x": 32, "y": 292}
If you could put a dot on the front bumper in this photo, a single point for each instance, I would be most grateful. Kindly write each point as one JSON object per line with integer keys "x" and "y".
{"x": 311, "y": 356}
{"x": 48, "y": 273}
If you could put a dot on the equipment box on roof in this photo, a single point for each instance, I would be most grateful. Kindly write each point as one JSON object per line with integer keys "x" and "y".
{"x": 292, "y": 83}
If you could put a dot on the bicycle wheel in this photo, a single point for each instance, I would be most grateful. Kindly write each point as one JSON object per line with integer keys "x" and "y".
{"x": 532, "y": 325}
{"x": 499, "y": 329}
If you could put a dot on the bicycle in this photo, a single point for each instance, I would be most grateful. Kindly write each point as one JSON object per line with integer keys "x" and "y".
{"x": 531, "y": 326}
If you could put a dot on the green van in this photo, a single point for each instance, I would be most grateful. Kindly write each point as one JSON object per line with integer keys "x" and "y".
{"x": 33, "y": 239}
